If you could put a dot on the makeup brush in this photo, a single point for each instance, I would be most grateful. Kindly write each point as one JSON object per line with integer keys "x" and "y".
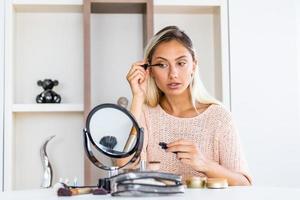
{"x": 131, "y": 140}
{"x": 62, "y": 189}
{"x": 109, "y": 142}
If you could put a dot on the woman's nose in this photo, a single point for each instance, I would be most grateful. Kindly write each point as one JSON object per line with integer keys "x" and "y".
{"x": 173, "y": 71}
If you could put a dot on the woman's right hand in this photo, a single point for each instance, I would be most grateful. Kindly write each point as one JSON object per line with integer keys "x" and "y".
{"x": 137, "y": 78}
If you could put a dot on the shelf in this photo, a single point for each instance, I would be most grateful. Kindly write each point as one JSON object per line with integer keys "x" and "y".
{"x": 188, "y": 7}
{"x": 174, "y": 9}
{"x": 47, "y": 2}
{"x": 56, "y": 52}
{"x": 60, "y": 6}
{"x": 65, "y": 151}
{"x": 120, "y": 6}
{"x": 188, "y": 2}
{"x": 47, "y": 108}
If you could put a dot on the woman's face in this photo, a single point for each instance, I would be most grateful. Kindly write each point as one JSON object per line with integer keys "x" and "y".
{"x": 175, "y": 77}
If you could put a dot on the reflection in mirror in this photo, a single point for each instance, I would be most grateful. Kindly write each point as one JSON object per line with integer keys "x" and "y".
{"x": 110, "y": 129}
{"x": 108, "y": 161}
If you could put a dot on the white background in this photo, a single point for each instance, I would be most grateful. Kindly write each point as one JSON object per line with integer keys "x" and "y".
{"x": 1, "y": 88}
{"x": 265, "y": 86}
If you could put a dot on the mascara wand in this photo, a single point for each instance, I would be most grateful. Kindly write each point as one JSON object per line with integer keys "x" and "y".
{"x": 145, "y": 66}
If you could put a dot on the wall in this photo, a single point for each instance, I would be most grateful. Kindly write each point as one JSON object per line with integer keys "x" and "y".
{"x": 298, "y": 45}
{"x": 265, "y": 87}
{"x": 107, "y": 70}
{"x": 1, "y": 89}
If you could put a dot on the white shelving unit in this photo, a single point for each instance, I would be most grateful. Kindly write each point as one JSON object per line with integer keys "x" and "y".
{"x": 47, "y": 108}
{"x": 44, "y": 39}
{"x": 47, "y": 2}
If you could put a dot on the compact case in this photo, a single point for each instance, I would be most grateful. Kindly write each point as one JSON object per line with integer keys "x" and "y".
{"x": 145, "y": 183}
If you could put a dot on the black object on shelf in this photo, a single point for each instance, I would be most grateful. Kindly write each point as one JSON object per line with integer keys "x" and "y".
{"x": 48, "y": 95}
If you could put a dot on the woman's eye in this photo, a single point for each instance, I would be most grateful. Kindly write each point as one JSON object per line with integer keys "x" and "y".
{"x": 182, "y": 64}
{"x": 161, "y": 65}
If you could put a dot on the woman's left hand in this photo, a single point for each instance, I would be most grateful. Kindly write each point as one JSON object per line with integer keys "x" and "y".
{"x": 188, "y": 153}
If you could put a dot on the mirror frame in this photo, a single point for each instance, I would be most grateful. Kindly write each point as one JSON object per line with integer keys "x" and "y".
{"x": 136, "y": 150}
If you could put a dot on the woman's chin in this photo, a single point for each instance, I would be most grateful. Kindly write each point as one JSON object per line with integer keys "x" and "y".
{"x": 175, "y": 92}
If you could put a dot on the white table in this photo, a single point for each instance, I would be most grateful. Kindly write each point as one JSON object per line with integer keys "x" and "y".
{"x": 231, "y": 193}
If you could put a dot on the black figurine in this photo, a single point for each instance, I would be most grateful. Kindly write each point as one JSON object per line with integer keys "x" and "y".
{"x": 48, "y": 95}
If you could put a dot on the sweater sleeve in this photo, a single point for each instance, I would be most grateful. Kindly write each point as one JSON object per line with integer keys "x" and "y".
{"x": 231, "y": 154}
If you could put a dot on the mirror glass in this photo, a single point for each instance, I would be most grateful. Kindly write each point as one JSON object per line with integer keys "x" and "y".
{"x": 112, "y": 131}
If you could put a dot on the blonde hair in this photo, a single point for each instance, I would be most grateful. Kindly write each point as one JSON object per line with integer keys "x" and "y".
{"x": 197, "y": 90}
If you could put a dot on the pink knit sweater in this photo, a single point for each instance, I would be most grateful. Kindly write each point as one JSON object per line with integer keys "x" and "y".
{"x": 213, "y": 130}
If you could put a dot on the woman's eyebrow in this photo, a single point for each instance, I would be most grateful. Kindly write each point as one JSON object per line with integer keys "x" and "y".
{"x": 180, "y": 57}
{"x": 161, "y": 58}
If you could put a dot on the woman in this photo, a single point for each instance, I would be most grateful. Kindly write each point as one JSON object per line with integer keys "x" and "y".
{"x": 171, "y": 104}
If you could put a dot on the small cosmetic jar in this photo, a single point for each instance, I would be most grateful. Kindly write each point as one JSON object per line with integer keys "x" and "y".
{"x": 216, "y": 183}
{"x": 196, "y": 182}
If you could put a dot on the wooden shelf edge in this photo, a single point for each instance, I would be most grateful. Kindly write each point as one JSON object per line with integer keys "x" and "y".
{"x": 55, "y": 6}
{"x": 47, "y": 2}
{"x": 119, "y": 1}
{"x": 188, "y": 3}
{"x": 47, "y": 108}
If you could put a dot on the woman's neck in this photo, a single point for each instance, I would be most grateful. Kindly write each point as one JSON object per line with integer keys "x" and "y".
{"x": 178, "y": 105}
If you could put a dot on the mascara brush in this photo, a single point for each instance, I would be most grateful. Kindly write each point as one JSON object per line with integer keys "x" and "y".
{"x": 145, "y": 66}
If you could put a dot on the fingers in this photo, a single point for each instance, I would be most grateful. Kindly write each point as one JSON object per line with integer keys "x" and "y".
{"x": 188, "y": 152}
{"x": 137, "y": 73}
{"x": 183, "y": 155}
{"x": 182, "y": 145}
{"x": 136, "y": 70}
{"x": 181, "y": 148}
{"x": 137, "y": 76}
{"x": 186, "y": 161}
{"x": 180, "y": 142}
{"x": 136, "y": 66}
{"x": 185, "y": 158}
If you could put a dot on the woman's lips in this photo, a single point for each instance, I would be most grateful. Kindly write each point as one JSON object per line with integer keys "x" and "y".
{"x": 173, "y": 85}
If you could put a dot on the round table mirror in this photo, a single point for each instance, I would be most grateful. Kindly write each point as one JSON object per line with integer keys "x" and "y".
{"x": 112, "y": 131}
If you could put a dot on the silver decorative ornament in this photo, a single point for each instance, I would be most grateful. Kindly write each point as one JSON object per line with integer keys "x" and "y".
{"x": 48, "y": 172}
